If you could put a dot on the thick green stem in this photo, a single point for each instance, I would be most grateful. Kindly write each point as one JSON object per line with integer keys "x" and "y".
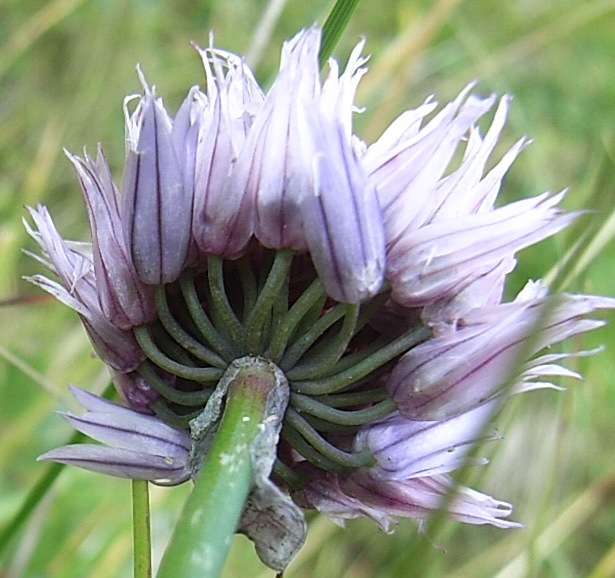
{"x": 204, "y": 532}
{"x": 141, "y": 529}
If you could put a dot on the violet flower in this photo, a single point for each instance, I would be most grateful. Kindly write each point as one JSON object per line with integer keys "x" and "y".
{"x": 125, "y": 300}
{"x": 139, "y": 447}
{"x": 78, "y": 288}
{"x": 372, "y": 276}
{"x": 222, "y": 220}
{"x": 360, "y": 495}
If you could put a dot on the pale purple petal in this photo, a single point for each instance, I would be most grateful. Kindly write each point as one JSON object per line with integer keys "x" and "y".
{"x": 542, "y": 367}
{"x": 275, "y": 166}
{"x": 406, "y": 175}
{"x": 343, "y": 223}
{"x": 453, "y": 373}
{"x": 407, "y": 449}
{"x": 382, "y": 501}
{"x": 484, "y": 291}
{"x": 421, "y": 498}
{"x": 402, "y": 130}
{"x": 223, "y": 217}
{"x": 139, "y": 446}
{"x": 438, "y": 260}
{"x": 323, "y": 493}
{"x": 121, "y": 427}
{"x": 77, "y": 289}
{"x": 137, "y": 392}
{"x": 465, "y": 191}
{"x": 157, "y": 208}
{"x": 185, "y": 135}
{"x": 337, "y": 94}
{"x": 124, "y": 299}
{"x": 120, "y": 463}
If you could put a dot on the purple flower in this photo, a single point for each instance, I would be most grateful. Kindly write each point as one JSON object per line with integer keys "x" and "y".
{"x": 139, "y": 446}
{"x": 439, "y": 260}
{"x": 348, "y": 252}
{"x": 371, "y": 275}
{"x": 360, "y": 495}
{"x": 223, "y": 212}
{"x": 73, "y": 265}
{"x": 279, "y": 178}
{"x": 156, "y": 206}
{"x": 124, "y": 299}
{"x": 406, "y": 449}
{"x": 455, "y": 372}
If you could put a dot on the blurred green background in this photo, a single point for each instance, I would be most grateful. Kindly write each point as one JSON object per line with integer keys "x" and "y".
{"x": 66, "y": 65}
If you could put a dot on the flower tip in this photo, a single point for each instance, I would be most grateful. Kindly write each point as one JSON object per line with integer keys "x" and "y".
{"x": 86, "y": 399}
{"x": 369, "y": 282}
{"x": 149, "y": 91}
{"x": 198, "y": 48}
{"x": 68, "y": 154}
{"x": 61, "y": 455}
{"x": 55, "y": 455}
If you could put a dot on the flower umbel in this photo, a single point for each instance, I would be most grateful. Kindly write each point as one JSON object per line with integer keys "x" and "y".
{"x": 370, "y": 276}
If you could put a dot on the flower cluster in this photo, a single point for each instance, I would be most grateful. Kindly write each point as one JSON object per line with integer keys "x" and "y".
{"x": 371, "y": 275}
